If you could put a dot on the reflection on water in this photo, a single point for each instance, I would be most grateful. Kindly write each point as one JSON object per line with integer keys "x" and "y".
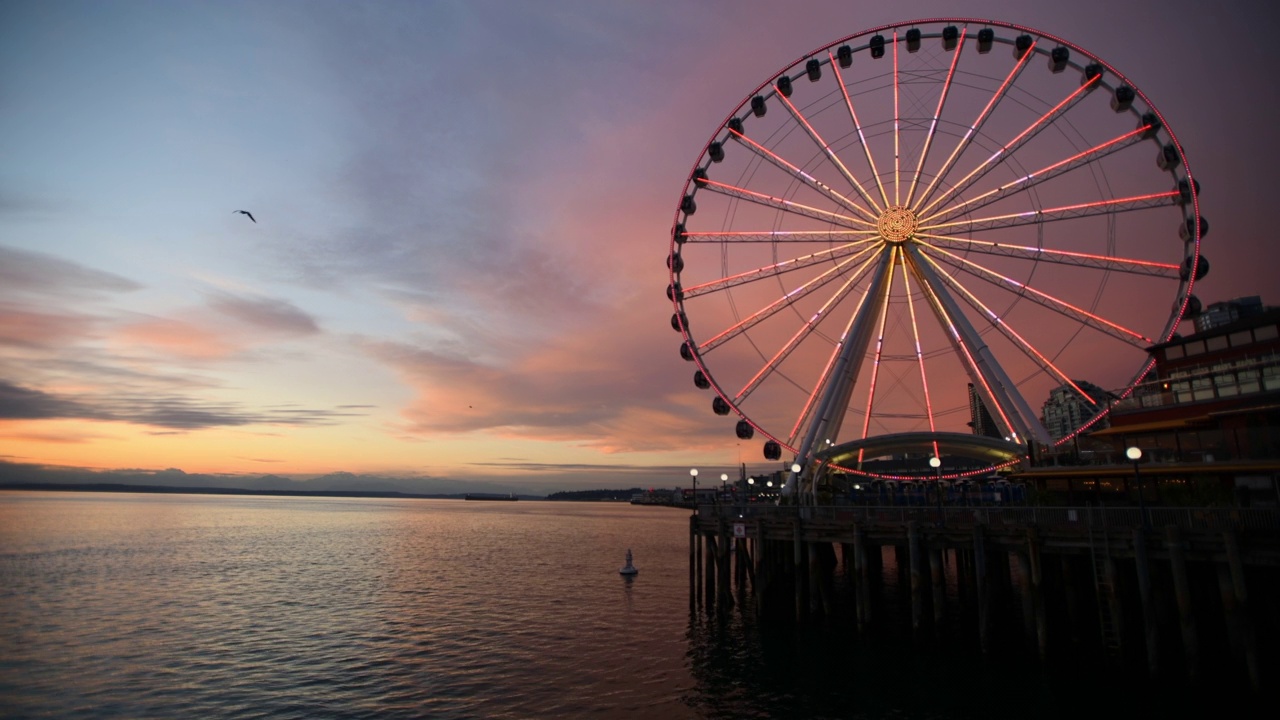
{"x": 131, "y": 605}
{"x": 123, "y": 606}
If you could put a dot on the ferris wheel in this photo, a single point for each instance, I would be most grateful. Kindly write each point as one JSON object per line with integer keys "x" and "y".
{"x": 906, "y": 240}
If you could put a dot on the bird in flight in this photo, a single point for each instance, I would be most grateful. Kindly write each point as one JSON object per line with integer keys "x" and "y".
{"x": 246, "y": 212}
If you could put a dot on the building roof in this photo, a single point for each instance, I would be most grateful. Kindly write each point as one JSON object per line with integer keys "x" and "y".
{"x": 1270, "y": 316}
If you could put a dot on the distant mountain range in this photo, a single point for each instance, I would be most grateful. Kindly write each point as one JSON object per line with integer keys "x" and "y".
{"x": 26, "y": 475}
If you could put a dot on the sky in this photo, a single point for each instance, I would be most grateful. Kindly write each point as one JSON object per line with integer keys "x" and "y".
{"x": 462, "y": 215}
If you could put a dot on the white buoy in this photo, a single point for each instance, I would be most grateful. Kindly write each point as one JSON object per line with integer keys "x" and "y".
{"x": 628, "y": 569}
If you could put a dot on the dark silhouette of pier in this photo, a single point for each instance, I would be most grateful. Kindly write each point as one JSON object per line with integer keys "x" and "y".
{"x": 1172, "y": 588}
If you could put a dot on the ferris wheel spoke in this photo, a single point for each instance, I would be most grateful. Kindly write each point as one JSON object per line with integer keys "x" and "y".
{"x": 1066, "y": 212}
{"x": 915, "y": 336}
{"x": 854, "y": 248}
{"x": 1041, "y": 298}
{"x": 1012, "y": 146}
{"x": 1016, "y": 414}
{"x": 862, "y": 139}
{"x": 1046, "y": 173}
{"x": 825, "y": 147}
{"x": 897, "y": 120}
{"x": 875, "y": 365}
{"x": 776, "y": 236}
{"x": 1064, "y": 257}
{"x": 975, "y": 127}
{"x": 786, "y": 300}
{"x": 1005, "y": 329}
{"x": 806, "y": 329}
{"x": 933, "y": 126}
{"x": 784, "y": 205}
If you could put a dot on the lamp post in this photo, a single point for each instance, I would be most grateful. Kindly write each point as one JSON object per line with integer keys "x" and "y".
{"x": 693, "y": 472}
{"x": 724, "y": 482}
{"x": 936, "y": 463}
{"x": 1134, "y": 453}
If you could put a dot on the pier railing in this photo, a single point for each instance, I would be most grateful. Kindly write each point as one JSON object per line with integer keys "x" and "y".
{"x": 1084, "y": 518}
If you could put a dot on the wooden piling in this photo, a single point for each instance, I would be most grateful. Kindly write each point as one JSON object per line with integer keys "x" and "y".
{"x": 861, "y": 578}
{"x": 1037, "y": 592}
{"x": 709, "y": 569}
{"x": 693, "y": 560}
{"x": 1151, "y": 627}
{"x": 982, "y": 588}
{"x": 1024, "y": 589}
{"x": 1182, "y": 591}
{"x": 724, "y": 574}
{"x": 1245, "y": 626}
{"x": 797, "y": 557}
{"x": 938, "y": 582}
{"x": 1072, "y": 598}
{"x": 917, "y": 577}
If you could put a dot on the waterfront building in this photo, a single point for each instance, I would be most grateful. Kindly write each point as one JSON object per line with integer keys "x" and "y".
{"x": 1066, "y": 409}
{"x": 1207, "y": 420}
{"x": 1228, "y": 311}
{"x": 980, "y": 419}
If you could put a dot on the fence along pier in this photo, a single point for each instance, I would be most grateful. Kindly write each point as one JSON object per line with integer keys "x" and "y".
{"x": 1173, "y": 588}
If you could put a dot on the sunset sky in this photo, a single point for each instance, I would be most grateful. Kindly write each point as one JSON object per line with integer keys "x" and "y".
{"x": 463, "y": 211}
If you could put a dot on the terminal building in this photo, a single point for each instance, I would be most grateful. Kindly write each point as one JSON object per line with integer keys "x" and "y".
{"x": 1207, "y": 420}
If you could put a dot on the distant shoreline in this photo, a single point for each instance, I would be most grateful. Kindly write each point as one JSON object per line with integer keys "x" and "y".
{"x": 170, "y": 490}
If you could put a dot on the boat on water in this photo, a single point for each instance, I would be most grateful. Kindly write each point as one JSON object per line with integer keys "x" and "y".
{"x": 628, "y": 569}
{"x": 490, "y": 496}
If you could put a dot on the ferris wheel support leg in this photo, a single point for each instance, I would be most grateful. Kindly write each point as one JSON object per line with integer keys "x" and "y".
{"x": 835, "y": 396}
{"x": 988, "y": 377}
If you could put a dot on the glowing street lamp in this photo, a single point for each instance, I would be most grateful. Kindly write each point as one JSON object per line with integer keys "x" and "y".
{"x": 1134, "y": 453}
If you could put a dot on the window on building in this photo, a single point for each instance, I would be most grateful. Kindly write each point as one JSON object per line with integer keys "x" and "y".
{"x": 1271, "y": 377}
{"x": 1202, "y": 388}
{"x": 1247, "y": 381}
{"x": 1226, "y": 384}
{"x": 1241, "y": 338}
{"x": 1216, "y": 343}
{"x": 1267, "y": 332}
{"x": 1173, "y": 352}
{"x": 1194, "y": 348}
{"x": 1181, "y": 391}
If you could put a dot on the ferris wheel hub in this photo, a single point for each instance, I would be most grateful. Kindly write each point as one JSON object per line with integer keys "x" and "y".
{"x": 897, "y": 224}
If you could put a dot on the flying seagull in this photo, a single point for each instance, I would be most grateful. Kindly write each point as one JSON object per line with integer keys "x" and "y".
{"x": 245, "y": 212}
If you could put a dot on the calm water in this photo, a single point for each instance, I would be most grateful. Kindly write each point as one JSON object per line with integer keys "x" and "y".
{"x": 128, "y": 606}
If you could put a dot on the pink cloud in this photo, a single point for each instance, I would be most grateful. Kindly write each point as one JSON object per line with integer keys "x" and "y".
{"x": 180, "y": 338}
{"x": 38, "y": 329}
{"x": 225, "y": 326}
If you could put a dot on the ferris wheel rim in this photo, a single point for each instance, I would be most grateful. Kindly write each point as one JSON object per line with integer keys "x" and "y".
{"x": 1184, "y": 292}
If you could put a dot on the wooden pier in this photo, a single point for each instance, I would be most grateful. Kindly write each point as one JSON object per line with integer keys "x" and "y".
{"x": 1168, "y": 588}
